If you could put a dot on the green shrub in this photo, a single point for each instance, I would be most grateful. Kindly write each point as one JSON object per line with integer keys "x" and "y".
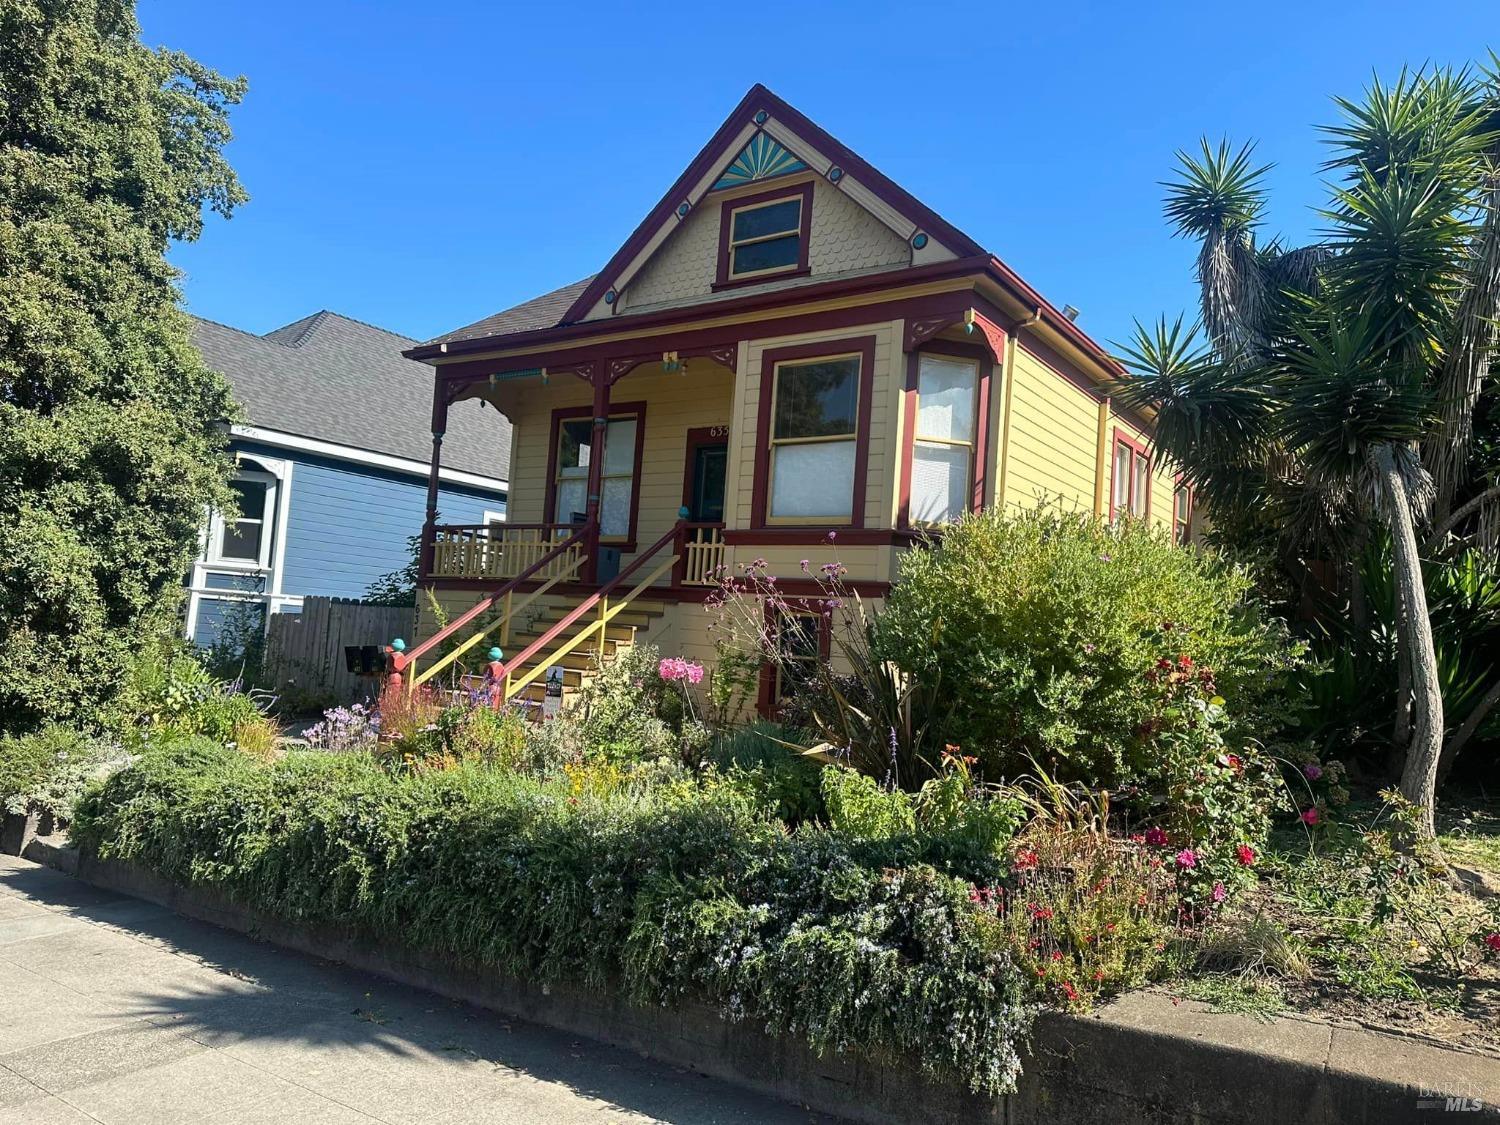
{"x": 169, "y": 694}
{"x": 48, "y": 770}
{"x": 1042, "y": 628}
{"x": 676, "y": 891}
{"x": 761, "y": 760}
{"x": 948, "y": 816}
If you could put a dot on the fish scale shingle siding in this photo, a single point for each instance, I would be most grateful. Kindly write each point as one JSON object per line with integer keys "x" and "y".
{"x": 845, "y": 238}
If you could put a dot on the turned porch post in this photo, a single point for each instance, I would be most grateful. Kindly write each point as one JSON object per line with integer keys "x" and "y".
{"x": 439, "y": 427}
{"x": 596, "y": 468}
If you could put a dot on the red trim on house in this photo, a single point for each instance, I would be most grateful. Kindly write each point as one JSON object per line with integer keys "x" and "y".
{"x": 616, "y": 409}
{"x": 818, "y": 536}
{"x": 722, "y": 280}
{"x": 760, "y": 482}
{"x": 910, "y": 402}
{"x": 802, "y": 587}
{"x": 771, "y": 300}
{"x": 1138, "y": 449}
{"x": 698, "y": 340}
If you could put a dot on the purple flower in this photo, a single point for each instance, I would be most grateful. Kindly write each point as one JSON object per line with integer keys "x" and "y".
{"x": 1312, "y": 771}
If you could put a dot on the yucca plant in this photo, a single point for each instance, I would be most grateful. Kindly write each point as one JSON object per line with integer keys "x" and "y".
{"x": 1336, "y": 389}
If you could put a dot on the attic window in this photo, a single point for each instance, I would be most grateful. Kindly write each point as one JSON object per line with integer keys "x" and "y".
{"x": 765, "y": 236}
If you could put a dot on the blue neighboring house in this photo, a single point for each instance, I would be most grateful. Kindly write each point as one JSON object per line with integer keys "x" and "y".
{"x": 332, "y": 461}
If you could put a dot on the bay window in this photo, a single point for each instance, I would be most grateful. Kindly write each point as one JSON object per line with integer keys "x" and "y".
{"x": 814, "y": 440}
{"x": 944, "y": 438}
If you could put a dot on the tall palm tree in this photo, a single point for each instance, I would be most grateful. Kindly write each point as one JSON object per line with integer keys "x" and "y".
{"x": 1338, "y": 383}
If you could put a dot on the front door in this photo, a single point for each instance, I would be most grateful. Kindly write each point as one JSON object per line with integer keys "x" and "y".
{"x": 707, "y": 463}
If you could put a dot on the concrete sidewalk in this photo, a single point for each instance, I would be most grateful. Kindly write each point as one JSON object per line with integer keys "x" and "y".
{"x": 116, "y": 1010}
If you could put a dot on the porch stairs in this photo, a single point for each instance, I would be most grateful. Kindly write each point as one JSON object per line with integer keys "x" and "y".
{"x": 536, "y": 636}
{"x": 624, "y": 632}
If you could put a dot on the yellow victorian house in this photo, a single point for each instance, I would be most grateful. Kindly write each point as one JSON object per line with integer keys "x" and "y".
{"x": 789, "y": 345}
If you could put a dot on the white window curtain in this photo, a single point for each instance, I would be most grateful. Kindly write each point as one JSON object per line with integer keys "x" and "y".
{"x": 942, "y": 463}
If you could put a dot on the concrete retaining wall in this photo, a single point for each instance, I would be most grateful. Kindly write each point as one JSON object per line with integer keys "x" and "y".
{"x": 1141, "y": 1060}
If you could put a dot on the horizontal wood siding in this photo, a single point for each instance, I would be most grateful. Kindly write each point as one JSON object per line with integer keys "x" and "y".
{"x": 1054, "y": 438}
{"x": 1162, "y": 471}
{"x": 348, "y": 526}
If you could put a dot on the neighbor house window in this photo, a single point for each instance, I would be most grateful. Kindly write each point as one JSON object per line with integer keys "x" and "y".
{"x": 765, "y": 236}
{"x": 1132, "y": 479}
{"x": 572, "y": 458}
{"x": 942, "y": 462}
{"x": 248, "y": 538}
{"x": 1182, "y": 513}
{"x": 814, "y": 439}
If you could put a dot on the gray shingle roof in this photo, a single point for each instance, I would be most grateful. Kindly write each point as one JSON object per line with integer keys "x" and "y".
{"x": 335, "y": 379}
{"x": 539, "y": 312}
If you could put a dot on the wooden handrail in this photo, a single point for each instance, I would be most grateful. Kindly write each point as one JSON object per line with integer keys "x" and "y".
{"x": 403, "y": 660}
{"x": 503, "y": 525}
{"x": 591, "y": 601}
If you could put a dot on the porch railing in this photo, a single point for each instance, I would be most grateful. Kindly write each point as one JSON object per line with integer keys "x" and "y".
{"x": 498, "y": 550}
{"x": 702, "y": 550}
{"x": 604, "y": 606}
{"x": 561, "y": 563}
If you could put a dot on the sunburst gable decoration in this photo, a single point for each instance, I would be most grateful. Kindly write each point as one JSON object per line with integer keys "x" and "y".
{"x": 761, "y": 159}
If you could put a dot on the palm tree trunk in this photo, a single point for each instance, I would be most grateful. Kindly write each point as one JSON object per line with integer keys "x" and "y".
{"x": 1419, "y": 778}
{"x": 1477, "y": 716}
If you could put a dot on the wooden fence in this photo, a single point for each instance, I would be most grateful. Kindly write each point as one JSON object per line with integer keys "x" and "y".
{"x": 304, "y": 659}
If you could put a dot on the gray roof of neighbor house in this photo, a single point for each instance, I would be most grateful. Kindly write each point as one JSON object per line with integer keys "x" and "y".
{"x": 340, "y": 380}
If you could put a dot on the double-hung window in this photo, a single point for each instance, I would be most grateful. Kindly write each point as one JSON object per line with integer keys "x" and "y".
{"x": 1132, "y": 480}
{"x": 1182, "y": 513}
{"x": 799, "y": 640}
{"x": 943, "y": 444}
{"x": 765, "y": 237}
{"x": 575, "y": 453}
{"x": 814, "y": 440}
{"x": 247, "y": 539}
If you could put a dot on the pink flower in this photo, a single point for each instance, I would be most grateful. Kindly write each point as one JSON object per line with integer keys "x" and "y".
{"x": 1246, "y": 855}
{"x": 1219, "y": 893}
{"x": 1187, "y": 858}
{"x": 1156, "y": 837}
{"x": 1310, "y": 815}
{"x": 676, "y": 668}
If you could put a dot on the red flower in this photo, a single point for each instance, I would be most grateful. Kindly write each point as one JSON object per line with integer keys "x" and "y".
{"x": 1069, "y": 991}
{"x": 1310, "y": 816}
{"x": 1040, "y": 913}
{"x": 1024, "y": 860}
{"x": 1493, "y": 941}
{"x": 1246, "y": 855}
{"x": 1156, "y": 837}
{"x": 1235, "y": 763}
{"x": 1184, "y": 662}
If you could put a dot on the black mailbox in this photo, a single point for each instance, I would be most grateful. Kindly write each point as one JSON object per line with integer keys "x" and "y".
{"x": 362, "y": 660}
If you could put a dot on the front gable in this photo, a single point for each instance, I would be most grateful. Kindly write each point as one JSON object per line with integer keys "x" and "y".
{"x": 858, "y": 221}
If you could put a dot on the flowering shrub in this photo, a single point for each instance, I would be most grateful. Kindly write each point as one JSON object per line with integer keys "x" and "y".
{"x": 676, "y": 891}
{"x": 1039, "y": 628}
{"x": 343, "y": 729}
{"x": 46, "y": 771}
{"x": 1208, "y": 803}
{"x": 1084, "y": 914}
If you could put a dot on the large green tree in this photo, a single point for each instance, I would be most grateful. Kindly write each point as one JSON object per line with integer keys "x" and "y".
{"x": 1339, "y": 387}
{"x": 110, "y": 451}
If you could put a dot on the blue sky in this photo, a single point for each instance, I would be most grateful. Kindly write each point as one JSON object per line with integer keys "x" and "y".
{"x": 420, "y": 166}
